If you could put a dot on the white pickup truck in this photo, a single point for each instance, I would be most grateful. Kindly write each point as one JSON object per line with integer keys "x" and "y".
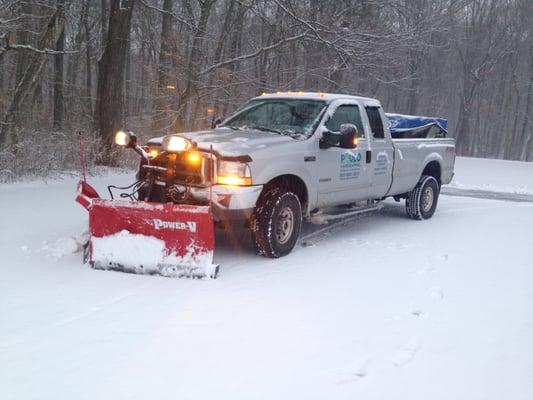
{"x": 286, "y": 157}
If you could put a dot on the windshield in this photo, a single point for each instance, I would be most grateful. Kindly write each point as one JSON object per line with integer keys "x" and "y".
{"x": 283, "y": 116}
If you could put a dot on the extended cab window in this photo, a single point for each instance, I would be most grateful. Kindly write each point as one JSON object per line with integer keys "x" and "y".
{"x": 346, "y": 114}
{"x": 376, "y": 124}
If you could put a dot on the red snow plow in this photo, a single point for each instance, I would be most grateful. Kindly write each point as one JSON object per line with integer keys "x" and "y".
{"x": 146, "y": 237}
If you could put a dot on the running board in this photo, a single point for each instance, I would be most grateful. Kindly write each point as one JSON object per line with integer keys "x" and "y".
{"x": 320, "y": 219}
{"x": 343, "y": 218}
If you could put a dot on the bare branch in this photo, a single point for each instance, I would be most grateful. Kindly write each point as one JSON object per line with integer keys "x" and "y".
{"x": 254, "y": 54}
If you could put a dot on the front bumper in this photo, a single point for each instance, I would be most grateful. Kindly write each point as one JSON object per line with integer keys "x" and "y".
{"x": 234, "y": 204}
{"x": 229, "y": 203}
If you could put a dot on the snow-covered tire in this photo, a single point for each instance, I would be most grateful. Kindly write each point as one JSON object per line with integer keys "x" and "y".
{"x": 421, "y": 202}
{"x": 276, "y": 223}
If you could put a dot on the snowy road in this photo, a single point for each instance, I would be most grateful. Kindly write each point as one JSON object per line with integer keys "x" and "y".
{"x": 487, "y": 194}
{"x": 380, "y": 307}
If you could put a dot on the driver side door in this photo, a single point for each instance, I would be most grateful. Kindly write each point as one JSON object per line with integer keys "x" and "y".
{"x": 343, "y": 176}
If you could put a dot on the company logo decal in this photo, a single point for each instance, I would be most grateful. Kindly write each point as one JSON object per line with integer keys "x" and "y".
{"x": 350, "y": 165}
{"x": 175, "y": 225}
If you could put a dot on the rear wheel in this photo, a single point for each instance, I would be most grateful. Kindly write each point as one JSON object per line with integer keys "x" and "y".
{"x": 276, "y": 223}
{"x": 421, "y": 202}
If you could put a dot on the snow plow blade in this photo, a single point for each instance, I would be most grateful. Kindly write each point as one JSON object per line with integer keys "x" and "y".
{"x": 149, "y": 238}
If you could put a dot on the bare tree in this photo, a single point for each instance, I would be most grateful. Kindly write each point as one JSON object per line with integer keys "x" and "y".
{"x": 58, "y": 66}
{"x": 29, "y": 78}
{"x": 109, "y": 116}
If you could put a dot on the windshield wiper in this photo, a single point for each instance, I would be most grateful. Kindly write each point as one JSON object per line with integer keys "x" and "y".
{"x": 294, "y": 133}
{"x": 265, "y": 129}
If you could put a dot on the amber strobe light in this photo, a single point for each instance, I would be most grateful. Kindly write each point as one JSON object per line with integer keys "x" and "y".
{"x": 153, "y": 152}
{"x": 194, "y": 157}
{"x": 234, "y": 181}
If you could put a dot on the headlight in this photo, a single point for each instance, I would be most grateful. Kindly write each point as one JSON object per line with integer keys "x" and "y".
{"x": 176, "y": 143}
{"x": 234, "y": 173}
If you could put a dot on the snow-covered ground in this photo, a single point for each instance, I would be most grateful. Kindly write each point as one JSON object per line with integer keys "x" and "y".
{"x": 378, "y": 308}
{"x": 493, "y": 175}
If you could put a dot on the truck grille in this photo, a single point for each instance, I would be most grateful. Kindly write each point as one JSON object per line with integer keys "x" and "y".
{"x": 179, "y": 169}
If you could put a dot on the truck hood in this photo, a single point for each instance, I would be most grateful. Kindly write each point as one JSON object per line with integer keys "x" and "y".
{"x": 229, "y": 142}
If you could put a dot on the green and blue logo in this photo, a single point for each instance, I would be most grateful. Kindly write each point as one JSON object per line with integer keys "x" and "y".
{"x": 349, "y": 159}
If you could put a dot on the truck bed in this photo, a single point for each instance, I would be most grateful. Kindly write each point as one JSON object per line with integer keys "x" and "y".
{"x": 412, "y": 155}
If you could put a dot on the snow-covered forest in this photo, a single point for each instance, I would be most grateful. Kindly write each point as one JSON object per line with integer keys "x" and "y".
{"x": 163, "y": 65}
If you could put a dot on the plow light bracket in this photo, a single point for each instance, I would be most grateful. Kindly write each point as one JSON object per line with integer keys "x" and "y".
{"x": 129, "y": 140}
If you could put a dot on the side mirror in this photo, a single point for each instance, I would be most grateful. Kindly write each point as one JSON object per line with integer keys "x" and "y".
{"x": 328, "y": 139}
{"x": 349, "y": 136}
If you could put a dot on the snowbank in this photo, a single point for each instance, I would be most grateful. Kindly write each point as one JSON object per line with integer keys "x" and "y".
{"x": 493, "y": 175}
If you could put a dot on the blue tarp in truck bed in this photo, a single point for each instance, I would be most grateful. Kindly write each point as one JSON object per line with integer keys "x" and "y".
{"x": 404, "y": 123}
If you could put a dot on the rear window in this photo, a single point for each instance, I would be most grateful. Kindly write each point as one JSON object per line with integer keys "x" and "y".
{"x": 376, "y": 124}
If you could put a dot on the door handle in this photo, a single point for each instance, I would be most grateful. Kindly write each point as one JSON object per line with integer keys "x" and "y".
{"x": 368, "y": 156}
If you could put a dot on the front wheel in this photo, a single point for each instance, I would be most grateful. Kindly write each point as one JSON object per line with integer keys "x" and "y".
{"x": 421, "y": 202}
{"x": 276, "y": 223}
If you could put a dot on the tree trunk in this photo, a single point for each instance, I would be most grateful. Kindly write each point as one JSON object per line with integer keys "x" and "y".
{"x": 463, "y": 130}
{"x": 23, "y": 36}
{"x": 58, "y": 68}
{"x": 527, "y": 128}
{"x": 88, "y": 76}
{"x": 28, "y": 82}
{"x": 161, "y": 115}
{"x": 413, "y": 94}
{"x": 311, "y": 50}
{"x": 193, "y": 64}
{"x": 103, "y": 19}
{"x": 73, "y": 66}
{"x": 109, "y": 116}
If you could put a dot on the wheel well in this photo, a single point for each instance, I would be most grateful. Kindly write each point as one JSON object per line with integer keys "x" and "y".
{"x": 293, "y": 183}
{"x": 433, "y": 169}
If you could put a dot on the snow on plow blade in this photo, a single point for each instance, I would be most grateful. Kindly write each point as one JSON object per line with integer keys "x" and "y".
{"x": 149, "y": 238}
